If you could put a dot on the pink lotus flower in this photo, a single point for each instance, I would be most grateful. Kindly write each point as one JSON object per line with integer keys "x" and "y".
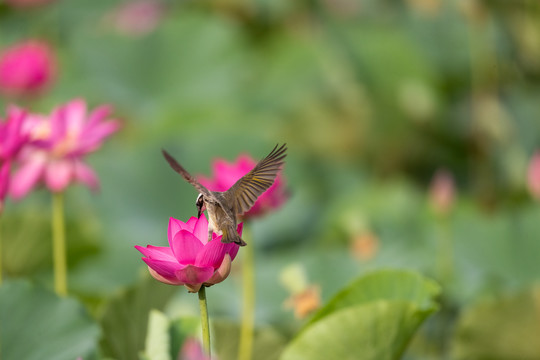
{"x": 26, "y": 68}
{"x": 11, "y": 141}
{"x": 226, "y": 174}
{"x": 4, "y": 182}
{"x": 11, "y": 133}
{"x": 190, "y": 259}
{"x": 533, "y": 176}
{"x": 57, "y": 146}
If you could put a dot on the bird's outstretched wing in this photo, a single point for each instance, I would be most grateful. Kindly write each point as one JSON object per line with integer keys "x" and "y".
{"x": 187, "y": 176}
{"x": 246, "y": 190}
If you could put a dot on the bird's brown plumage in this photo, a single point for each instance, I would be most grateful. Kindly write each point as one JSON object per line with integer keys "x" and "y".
{"x": 239, "y": 198}
{"x": 252, "y": 185}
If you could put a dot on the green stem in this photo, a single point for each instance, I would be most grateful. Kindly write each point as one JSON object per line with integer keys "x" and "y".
{"x": 59, "y": 245}
{"x": 248, "y": 309}
{"x": 204, "y": 321}
{"x": 446, "y": 251}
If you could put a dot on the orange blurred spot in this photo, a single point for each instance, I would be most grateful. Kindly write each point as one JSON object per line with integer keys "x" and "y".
{"x": 365, "y": 246}
{"x": 305, "y": 302}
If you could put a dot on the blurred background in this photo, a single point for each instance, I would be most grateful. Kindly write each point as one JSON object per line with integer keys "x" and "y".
{"x": 411, "y": 126}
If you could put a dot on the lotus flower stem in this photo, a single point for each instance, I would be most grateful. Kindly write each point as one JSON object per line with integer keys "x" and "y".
{"x": 59, "y": 245}
{"x": 248, "y": 309}
{"x": 204, "y": 321}
{"x": 446, "y": 252}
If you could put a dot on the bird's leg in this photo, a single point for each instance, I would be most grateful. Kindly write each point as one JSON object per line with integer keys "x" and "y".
{"x": 210, "y": 231}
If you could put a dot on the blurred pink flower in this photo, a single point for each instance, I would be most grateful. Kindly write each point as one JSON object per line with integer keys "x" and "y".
{"x": 192, "y": 350}
{"x": 137, "y": 17}
{"x": 4, "y": 182}
{"x": 26, "y": 68}
{"x": 190, "y": 259}
{"x": 226, "y": 174}
{"x": 533, "y": 176}
{"x": 12, "y": 139}
{"x": 442, "y": 192}
{"x": 57, "y": 146}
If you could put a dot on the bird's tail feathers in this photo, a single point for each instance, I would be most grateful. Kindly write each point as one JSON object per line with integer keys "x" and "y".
{"x": 231, "y": 235}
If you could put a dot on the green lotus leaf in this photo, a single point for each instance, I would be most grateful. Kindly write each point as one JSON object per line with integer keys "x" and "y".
{"x": 35, "y": 324}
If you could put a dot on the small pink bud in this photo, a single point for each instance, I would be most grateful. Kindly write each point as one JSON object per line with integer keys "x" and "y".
{"x": 533, "y": 176}
{"x": 442, "y": 192}
{"x": 137, "y": 17}
{"x": 26, "y": 68}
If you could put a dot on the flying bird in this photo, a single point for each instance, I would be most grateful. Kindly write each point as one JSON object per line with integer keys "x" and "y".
{"x": 224, "y": 207}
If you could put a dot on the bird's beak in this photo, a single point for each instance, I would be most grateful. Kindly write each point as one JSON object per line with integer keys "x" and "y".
{"x": 200, "y": 209}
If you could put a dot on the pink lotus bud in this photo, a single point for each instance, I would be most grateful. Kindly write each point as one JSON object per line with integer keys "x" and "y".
{"x": 225, "y": 174}
{"x": 26, "y": 68}
{"x": 190, "y": 259}
{"x": 533, "y": 176}
{"x": 137, "y": 17}
{"x": 442, "y": 192}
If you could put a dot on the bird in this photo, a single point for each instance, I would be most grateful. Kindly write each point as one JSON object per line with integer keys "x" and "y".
{"x": 225, "y": 207}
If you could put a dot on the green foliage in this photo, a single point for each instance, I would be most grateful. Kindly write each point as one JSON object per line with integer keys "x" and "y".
{"x": 165, "y": 338}
{"x": 26, "y": 248}
{"x": 371, "y": 96}
{"x": 373, "y": 318}
{"x": 35, "y": 324}
{"x": 390, "y": 285}
{"x": 125, "y": 318}
{"x": 502, "y": 328}
{"x": 157, "y": 342}
{"x": 267, "y": 345}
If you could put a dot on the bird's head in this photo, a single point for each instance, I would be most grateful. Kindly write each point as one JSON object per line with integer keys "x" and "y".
{"x": 200, "y": 205}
